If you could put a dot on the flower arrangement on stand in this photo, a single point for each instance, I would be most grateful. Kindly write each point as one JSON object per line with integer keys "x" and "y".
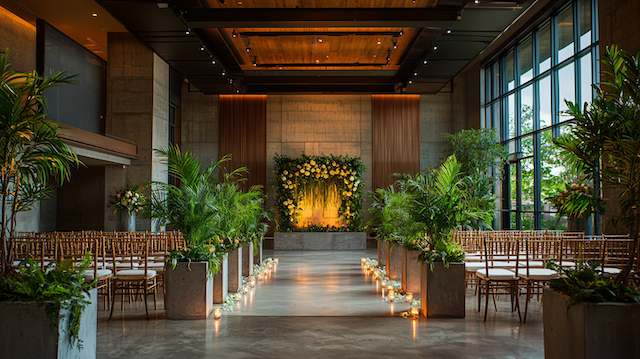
{"x": 319, "y": 175}
{"x": 129, "y": 201}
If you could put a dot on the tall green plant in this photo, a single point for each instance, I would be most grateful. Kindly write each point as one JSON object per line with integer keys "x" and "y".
{"x": 605, "y": 139}
{"x": 31, "y": 152}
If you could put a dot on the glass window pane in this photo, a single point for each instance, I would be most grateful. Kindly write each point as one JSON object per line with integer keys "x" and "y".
{"x": 513, "y": 189}
{"x": 567, "y": 90}
{"x": 553, "y": 221}
{"x": 525, "y": 60}
{"x": 487, "y": 83}
{"x": 526, "y": 168}
{"x": 511, "y": 147}
{"x": 487, "y": 116}
{"x": 544, "y": 96}
{"x": 483, "y": 99}
{"x": 526, "y": 146}
{"x": 526, "y": 109}
{"x": 496, "y": 117}
{"x": 527, "y": 221}
{"x": 586, "y": 91}
{"x": 509, "y": 64}
{"x": 513, "y": 217}
{"x": 553, "y": 174}
{"x": 496, "y": 79}
{"x": 544, "y": 48}
{"x": 564, "y": 23}
{"x": 584, "y": 13}
{"x": 511, "y": 115}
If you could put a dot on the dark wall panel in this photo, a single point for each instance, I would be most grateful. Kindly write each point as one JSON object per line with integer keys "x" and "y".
{"x": 243, "y": 134}
{"x": 396, "y": 136}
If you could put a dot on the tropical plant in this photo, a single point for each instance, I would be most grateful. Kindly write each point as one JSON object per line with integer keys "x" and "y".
{"x": 605, "y": 140}
{"x": 32, "y": 155}
{"x": 62, "y": 284}
{"x": 442, "y": 204}
{"x": 392, "y": 218}
{"x": 575, "y": 201}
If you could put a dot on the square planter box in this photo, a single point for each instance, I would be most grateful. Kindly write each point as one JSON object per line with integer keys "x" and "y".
{"x": 386, "y": 250}
{"x": 380, "y": 244}
{"x": 235, "y": 270}
{"x": 442, "y": 292}
{"x": 411, "y": 269}
{"x": 189, "y": 291}
{"x": 394, "y": 270}
{"x": 27, "y": 331}
{"x": 257, "y": 255}
{"x": 221, "y": 281}
{"x": 247, "y": 259}
{"x": 589, "y": 330}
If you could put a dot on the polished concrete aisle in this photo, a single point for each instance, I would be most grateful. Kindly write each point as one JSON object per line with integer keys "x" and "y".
{"x": 319, "y": 305}
{"x": 316, "y": 283}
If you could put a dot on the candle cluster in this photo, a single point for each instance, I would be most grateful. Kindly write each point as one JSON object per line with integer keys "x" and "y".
{"x": 260, "y": 272}
{"x": 391, "y": 289}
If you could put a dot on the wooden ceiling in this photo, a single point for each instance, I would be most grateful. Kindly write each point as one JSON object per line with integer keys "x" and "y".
{"x": 320, "y": 3}
{"x": 292, "y": 46}
{"x": 356, "y": 49}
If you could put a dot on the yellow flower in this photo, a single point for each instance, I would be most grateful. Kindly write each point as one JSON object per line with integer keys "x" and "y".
{"x": 352, "y": 178}
{"x": 285, "y": 172}
{"x": 313, "y": 163}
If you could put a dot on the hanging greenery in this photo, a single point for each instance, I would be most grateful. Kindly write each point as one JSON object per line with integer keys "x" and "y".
{"x": 319, "y": 178}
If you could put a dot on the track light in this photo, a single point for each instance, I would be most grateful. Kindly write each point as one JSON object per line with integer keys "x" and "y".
{"x": 247, "y": 49}
{"x": 201, "y": 48}
{"x": 449, "y": 31}
{"x": 224, "y": 73}
{"x": 415, "y": 74}
{"x": 188, "y": 32}
{"x": 234, "y": 34}
{"x": 435, "y": 48}
{"x": 213, "y": 61}
{"x": 425, "y": 61}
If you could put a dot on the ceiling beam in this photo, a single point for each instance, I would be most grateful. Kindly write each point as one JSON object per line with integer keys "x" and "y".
{"x": 319, "y": 17}
{"x": 318, "y": 33}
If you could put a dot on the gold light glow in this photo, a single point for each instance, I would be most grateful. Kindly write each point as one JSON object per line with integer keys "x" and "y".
{"x": 319, "y": 211}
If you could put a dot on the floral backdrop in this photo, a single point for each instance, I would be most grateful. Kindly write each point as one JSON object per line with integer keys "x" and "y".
{"x": 296, "y": 177}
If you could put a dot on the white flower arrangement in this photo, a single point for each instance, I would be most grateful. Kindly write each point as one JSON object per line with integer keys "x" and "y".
{"x": 130, "y": 200}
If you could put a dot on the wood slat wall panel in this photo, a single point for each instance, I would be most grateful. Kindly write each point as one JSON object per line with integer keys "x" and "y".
{"x": 243, "y": 134}
{"x": 396, "y": 136}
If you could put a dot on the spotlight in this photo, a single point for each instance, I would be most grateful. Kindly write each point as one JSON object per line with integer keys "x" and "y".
{"x": 201, "y": 48}
{"x": 378, "y": 42}
{"x": 94, "y": 14}
{"x": 425, "y": 61}
{"x": 435, "y": 48}
{"x": 449, "y": 31}
{"x": 415, "y": 74}
{"x": 410, "y": 82}
{"x": 234, "y": 34}
{"x": 401, "y": 33}
{"x": 213, "y": 62}
{"x": 477, "y": 1}
{"x": 395, "y": 44}
{"x": 247, "y": 49}
{"x": 224, "y": 73}
{"x": 237, "y": 91}
{"x": 254, "y": 61}
{"x": 320, "y": 40}
{"x": 188, "y": 32}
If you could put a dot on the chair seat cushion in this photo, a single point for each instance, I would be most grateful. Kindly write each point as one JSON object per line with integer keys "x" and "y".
{"x": 496, "y": 274}
{"x": 568, "y": 264}
{"x": 502, "y": 264}
{"x": 155, "y": 265}
{"x": 473, "y": 258}
{"x": 536, "y": 264}
{"x": 473, "y": 266}
{"x": 100, "y": 273}
{"x": 540, "y": 274}
{"x": 611, "y": 270}
{"x": 133, "y": 274}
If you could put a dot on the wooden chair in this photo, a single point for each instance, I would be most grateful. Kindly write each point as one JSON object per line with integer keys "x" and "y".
{"x": 538, "y": 251}
{"x": 137, "y": 280}
{"x": 497, "y": 280}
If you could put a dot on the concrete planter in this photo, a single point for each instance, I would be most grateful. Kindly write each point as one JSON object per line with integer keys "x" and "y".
{"x": 442, "y": 291}
{"x": 247, "y": 259}
{"x": 27, "y": 331}
{"x": 386, "y": 249}
{"x": 257, "y": 255}
{"x": 320, "y": 241}
{"x": 235, "y": 269}
{"x": 221, "y": 281}
{"x": 394, "y": 270}
{"x": 589, "y": 330}
{"x": 411, "y": 268}
{"x": 380, "y": 248}
{"x": 189, "y": 291}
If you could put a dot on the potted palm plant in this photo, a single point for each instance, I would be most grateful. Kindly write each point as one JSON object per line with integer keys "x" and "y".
{"x": 189, "y": 206}
{"x": 54, "y": 302}
{"x": 587, "y": 314}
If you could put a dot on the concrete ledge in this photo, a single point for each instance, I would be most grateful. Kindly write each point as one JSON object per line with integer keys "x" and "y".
{"x": 320, "y": 240}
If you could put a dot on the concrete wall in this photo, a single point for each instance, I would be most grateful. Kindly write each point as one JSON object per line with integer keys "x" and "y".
{"x": 199, "y": 125}
{"x": 87, "y": 213}
{"x": 18, "y": 38}
{"x": 435, "y": 124}
{"x": 319, "y": 124}
{"x": 137, "y": 110}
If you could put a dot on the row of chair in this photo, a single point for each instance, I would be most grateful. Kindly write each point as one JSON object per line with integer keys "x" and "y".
{"x": 130, "y": 263}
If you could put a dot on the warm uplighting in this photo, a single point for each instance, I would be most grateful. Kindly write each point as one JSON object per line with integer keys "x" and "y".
{"x": 217, "y": 313}
{"x": 414, "y": 312}
{"x": 409, "y": 296}
{"x": 316, "y": 210}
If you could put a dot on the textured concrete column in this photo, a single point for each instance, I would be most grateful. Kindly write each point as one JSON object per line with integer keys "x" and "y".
{"x": 138, "y": 111}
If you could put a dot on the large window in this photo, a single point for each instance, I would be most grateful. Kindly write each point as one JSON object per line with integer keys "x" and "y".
{"x": 523, "y": 95}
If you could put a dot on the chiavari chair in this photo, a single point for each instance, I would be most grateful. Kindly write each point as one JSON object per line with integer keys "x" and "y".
{"x": 538, "y": 251}
{"x": 135, "y": 280}
{"x": 495, "y": 281}
{"x": 616, "y": 254}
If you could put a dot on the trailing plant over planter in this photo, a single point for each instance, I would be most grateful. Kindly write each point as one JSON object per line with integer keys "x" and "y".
{"x": 393, "y": 218}
{"x": 585, "y": 283}
{"x": 32, "y": 156}
{"x": 62, "y": 283}
{"x": 318, "y": 176}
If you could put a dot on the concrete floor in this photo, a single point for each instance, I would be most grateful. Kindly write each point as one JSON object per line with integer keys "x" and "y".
{"x": 319, "y": 305}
